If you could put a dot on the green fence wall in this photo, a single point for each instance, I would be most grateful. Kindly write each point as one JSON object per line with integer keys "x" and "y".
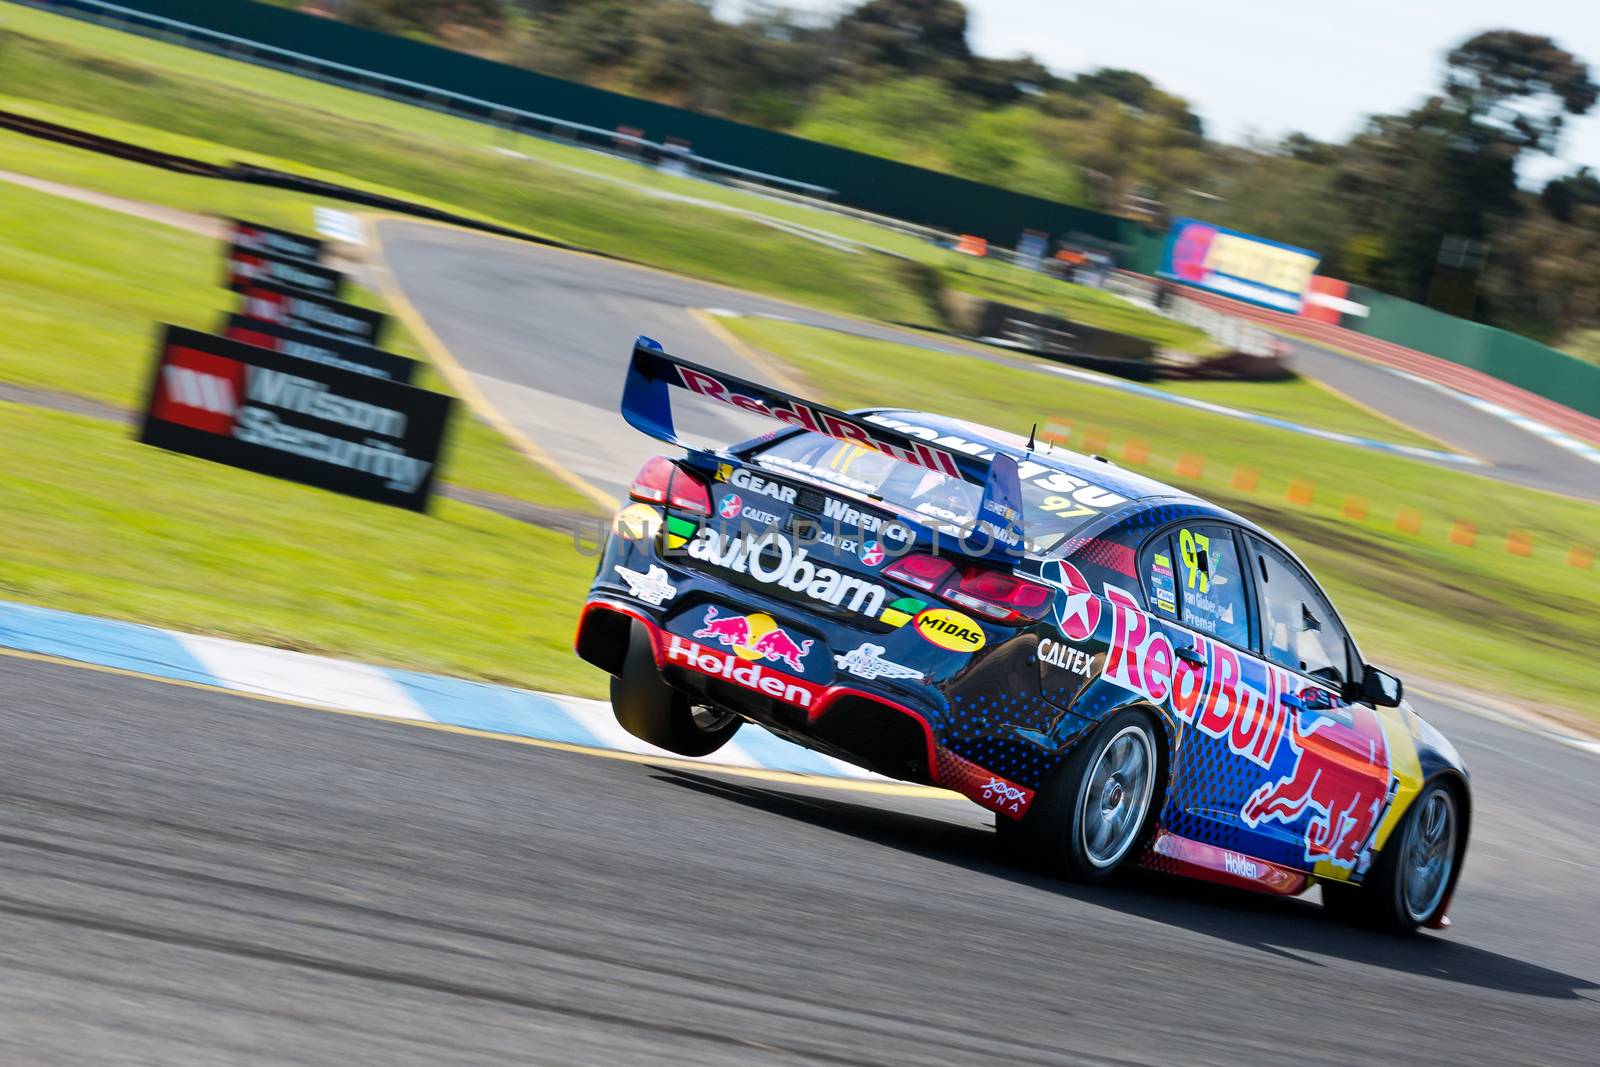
{"x": 872, "y": 183}
{"x": 1510, "y": 357}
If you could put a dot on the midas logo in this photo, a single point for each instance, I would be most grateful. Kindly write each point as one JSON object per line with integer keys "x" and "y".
{"x": 950, "y": 629}
{"x": 199, "y": 390}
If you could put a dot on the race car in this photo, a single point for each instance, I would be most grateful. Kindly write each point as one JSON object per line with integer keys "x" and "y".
{"x": 1121, "y": 671}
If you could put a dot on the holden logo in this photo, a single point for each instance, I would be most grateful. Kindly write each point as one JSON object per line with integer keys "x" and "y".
{"x": 872, "y": 553}
{"x": 729, "y": 506}
{"x": 1077, "y": 609}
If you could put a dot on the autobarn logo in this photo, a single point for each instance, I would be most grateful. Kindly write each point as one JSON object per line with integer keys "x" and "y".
{"x": 772, "y": 559}
{"x": 223, "y": 396}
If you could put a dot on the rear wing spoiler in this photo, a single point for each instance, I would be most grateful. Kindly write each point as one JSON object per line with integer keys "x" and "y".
{"x": 647, "y": 406}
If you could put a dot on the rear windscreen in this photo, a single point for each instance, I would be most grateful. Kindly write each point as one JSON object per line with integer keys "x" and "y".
{"x": 1054, "y": 504}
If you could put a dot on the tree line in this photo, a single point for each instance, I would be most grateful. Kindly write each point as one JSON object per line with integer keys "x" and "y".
{"x": 1422, "y": 203}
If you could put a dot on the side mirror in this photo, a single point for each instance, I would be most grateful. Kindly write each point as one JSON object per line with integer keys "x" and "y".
{"x": 1380, "y": 688}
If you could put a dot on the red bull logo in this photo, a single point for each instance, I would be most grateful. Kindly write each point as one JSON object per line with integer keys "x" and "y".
{"x": 1341, "y": 771}
{"x": 1341, "y": 775}
{"x": 755, "y": 637}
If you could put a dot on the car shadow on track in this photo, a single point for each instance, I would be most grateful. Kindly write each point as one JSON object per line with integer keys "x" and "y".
{"x": 1283, "y": 927}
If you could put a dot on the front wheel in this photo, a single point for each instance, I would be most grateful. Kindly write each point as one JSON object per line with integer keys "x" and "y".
{"x": 1089, "y": 818}
{"x": 1409, "y": 885}
{"x": 651, "y": 710}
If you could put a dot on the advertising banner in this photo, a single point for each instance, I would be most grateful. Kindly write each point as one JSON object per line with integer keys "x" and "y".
{"x": 254, "y": 237}
{"x": 314, "y": 314}
{"x": 244, "y": 268}
{"x": 273, "y": 414}
{"x": 332, "y": 352}
{"x": 1238, "y": 265}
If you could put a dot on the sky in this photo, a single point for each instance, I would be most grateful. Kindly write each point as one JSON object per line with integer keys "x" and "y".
{"x": 1255, "y": 66}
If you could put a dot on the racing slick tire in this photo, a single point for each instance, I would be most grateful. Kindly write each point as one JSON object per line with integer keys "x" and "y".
{"x": 1409, "y": 884}
{"x": 651, "y": 710}
{"x": 1095, "y": 812}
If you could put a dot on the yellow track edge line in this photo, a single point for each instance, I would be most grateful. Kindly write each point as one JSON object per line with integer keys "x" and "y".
{"x": 460, "y": 378}
{"x": 898, "y": 789}
{"x": 762, "y": 361}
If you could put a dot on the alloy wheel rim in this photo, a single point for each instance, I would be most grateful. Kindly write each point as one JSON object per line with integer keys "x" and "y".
{"x": 1429, "y": 857}
{"x": 1117, "y": 796}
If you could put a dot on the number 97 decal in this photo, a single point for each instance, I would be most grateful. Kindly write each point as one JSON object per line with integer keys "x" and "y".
{"x": 1191, "y": 545}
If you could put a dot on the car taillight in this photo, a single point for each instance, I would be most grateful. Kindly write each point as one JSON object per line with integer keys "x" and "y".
{"x": 661, "y": 481}
{"x": 927, "y": 573}
{"x": 996, "y": 595}
{"x": 999, "y": 596}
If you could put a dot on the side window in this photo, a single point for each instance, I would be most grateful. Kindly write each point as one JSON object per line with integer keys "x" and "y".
{"x": 1160, "y": 582}
{"x": 1298, "y": 628}
{"x": 1211, "y": 585}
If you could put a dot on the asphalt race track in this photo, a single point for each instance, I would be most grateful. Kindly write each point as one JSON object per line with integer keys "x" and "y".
{"x": 547, "y": 333}
{"x": 189, "y": 877}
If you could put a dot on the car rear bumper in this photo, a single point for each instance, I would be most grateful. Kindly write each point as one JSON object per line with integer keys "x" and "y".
{"x": 862, "y": 727}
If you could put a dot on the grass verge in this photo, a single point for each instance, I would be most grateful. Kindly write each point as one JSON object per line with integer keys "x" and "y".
{"x": 1476, "y": 616}
{"x": 98, "y": 523}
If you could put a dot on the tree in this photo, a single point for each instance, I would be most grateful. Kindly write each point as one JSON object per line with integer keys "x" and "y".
{"x": 1444, "y": 174}
{"x": 1518, "y": 88}
{"x": 423, "y": 16}
{"x": 1561, "y": 197}
{"x": 909, "y": 36}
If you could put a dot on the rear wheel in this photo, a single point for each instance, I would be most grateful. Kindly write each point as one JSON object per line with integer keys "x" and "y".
{"x": 653, "y": 711}
{"x": 1410, "y": 882}
{"x": 1095, "y": 811}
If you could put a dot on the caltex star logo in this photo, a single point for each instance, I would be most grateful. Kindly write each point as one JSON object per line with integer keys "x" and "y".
{"x": 728, "y": 507}
{"x": 1077, "y": 609}
{"x": 872, "y": 553}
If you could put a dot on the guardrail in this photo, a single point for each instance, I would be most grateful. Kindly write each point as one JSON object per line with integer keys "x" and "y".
{"x": 468, "y": 107}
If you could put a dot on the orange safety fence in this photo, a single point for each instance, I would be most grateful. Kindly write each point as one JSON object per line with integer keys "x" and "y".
{"x": 1300, "y": 492}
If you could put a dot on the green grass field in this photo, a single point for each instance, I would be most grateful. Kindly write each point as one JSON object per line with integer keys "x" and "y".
{"x": 1472, "y": 616}
{"x": 193, "y": 103}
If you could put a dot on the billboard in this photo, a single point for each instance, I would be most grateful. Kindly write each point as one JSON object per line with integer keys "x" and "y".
{"x": 314, "y": 314}
{"x": 245, "y": 268}
{"x": 274, "y": 414}
{"x": 254, "y": 237}
{"x": 362, "y": 359}
{"x": 1237, "y": 264}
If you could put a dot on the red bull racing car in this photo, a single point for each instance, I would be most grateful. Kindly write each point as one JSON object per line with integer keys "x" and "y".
{"x": 1121, "y": 671}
